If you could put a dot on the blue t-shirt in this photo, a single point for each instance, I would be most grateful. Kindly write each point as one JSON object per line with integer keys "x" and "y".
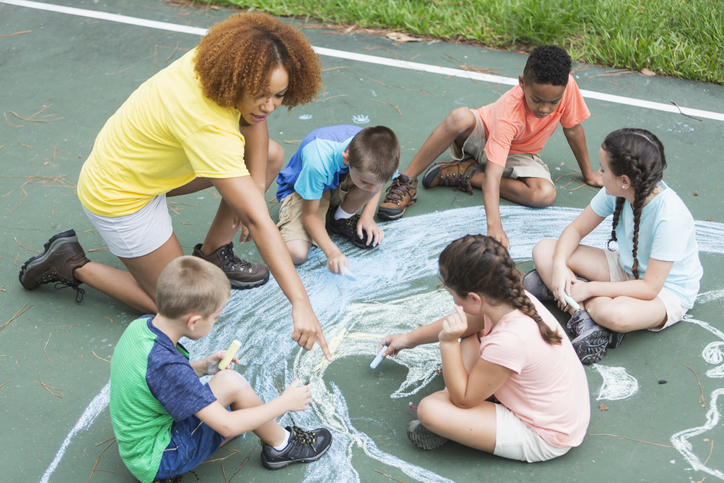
{"x": 317, "y": 164}
{"x": 152, "y": 385}
{"x": 666, "y": 233}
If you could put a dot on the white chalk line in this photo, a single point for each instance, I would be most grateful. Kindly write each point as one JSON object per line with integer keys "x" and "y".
{"x": 617, "y": 385}
{"x": 402, "y": 64}
{"x": 99, "y": 403}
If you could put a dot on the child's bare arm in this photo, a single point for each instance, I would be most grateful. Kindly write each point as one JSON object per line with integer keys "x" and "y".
{"x": 230, "y": 424}
{"x": 643, "y": 289}
{"x": 576, "y": 138}
{"x": 491, "y": 201}
{"x": 315, "y": 227}
{"x": 466, "y": 390}
{"x": 375, "y": 234}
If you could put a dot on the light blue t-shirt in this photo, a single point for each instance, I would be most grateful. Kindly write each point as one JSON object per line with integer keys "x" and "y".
{"x": 317, "y": 165}
{"x": 666, "y": 233}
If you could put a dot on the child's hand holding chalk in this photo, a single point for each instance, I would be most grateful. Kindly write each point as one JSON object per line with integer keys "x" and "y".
{"x": 224, "y": 363}
{"x": 378, "y": 359}
{"x": 348, "y": 273}
{"x": 569, "y": 300}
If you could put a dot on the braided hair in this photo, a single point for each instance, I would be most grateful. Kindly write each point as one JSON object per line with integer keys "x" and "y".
{"x": 638, "y": 154}
{"x": 480, "y": 264}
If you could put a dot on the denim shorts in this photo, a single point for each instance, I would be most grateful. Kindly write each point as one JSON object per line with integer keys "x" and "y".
{"x": 192, "y": 441}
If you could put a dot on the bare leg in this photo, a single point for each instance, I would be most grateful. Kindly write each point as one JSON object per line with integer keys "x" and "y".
{"x": 299, "y": 250}
{"x": 137, "y": 287}
{"x": 356, "y": 198}
{"x": 587, "y": 262}
{"x": 231, "y": 389}
{"x": 626, "y": 314}
{"x": 456, "y": 127}
{"x": 474, "y": 427}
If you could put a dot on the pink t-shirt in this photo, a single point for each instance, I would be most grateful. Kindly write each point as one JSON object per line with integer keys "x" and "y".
{"x": 510, "y": 127}
{"x": 547, "y": 389}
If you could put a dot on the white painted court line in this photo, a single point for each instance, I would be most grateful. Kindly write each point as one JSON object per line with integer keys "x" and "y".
{"x": 340, "y": 54}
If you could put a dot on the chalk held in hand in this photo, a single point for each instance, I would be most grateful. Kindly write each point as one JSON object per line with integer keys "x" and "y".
{"x": 378, "y": 359}
{"x": 349, "y": 274}
{"x": 230, "y": 354}
{"x": 569, "y": 300}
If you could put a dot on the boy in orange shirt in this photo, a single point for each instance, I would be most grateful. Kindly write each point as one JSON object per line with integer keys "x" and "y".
{"x": 495, "y": 148}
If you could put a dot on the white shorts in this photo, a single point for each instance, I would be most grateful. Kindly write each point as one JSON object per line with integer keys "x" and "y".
{"x": 137, "y": 234}
{"x": 674, "y": 311}
{"x": 516, "y": 440}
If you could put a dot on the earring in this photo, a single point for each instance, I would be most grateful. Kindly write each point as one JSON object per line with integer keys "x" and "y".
{"x": 623, "y": 187}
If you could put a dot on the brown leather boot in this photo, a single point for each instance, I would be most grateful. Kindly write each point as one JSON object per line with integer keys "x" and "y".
{"x": 458, "y": 174}
{"x": 241, "y": 274}
{"x": 62, "y": 255}
{"x": 400, "y": 194}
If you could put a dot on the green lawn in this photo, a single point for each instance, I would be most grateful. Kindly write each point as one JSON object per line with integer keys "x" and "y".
{"x": 678, "y": 38}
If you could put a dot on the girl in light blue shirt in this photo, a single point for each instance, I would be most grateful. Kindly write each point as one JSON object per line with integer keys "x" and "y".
{"x": 651, "y": 280}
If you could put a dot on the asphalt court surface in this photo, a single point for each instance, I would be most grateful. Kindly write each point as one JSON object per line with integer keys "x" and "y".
{"x": 63, "y": 73}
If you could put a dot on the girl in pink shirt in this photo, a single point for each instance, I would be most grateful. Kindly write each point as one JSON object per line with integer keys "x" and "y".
{"x": 514, "y": 385}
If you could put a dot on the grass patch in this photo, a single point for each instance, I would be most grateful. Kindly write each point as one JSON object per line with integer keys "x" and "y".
{"x": 677, "y": 38}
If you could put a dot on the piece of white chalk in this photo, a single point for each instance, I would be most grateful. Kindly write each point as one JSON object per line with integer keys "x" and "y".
{"x": 571, "y": 302}
{"x": 379, "y": 358}
{"x": 349, "y": 274}
{"x": 230, "y": 354}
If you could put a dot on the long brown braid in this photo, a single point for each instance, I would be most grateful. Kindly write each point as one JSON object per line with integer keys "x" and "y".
{"x": 638, "y": 154}
{"x": 480, "y": 264}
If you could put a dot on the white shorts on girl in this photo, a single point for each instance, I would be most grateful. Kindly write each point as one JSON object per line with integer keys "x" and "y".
{"x": 674, "y": 311}
{"x": 137, "y": 234}
{"x": 516, "y": 440}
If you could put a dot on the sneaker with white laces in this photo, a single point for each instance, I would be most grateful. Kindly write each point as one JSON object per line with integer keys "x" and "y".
{"x": 303, "y": 447}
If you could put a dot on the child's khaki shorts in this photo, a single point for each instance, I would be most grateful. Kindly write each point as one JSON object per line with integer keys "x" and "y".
{"x": 290, "y": 213}
{"x": 518, "y": 165}
{"x": 674, "y": 311}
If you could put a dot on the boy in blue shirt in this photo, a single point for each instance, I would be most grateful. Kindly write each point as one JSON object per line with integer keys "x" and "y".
{"x": 336, "y": 171}
{"x": 165, "y": 420}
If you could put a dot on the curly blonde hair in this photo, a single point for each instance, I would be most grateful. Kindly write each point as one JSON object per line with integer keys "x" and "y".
{"x": 238, "y": 55}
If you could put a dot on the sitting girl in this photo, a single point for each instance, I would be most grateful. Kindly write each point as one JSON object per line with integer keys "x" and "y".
{"x": 651, "y": 280}
{"x": 498, "y": 342}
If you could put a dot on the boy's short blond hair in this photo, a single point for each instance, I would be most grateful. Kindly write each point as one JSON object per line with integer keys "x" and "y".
{"x": 191, "y": 285}
{"x": 375, "y": 151}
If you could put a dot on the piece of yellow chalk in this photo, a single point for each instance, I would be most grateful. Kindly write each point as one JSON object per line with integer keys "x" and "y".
{"x": 230, "y": 354}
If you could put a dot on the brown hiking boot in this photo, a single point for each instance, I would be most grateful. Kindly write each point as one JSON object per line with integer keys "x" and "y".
{"x": 241, "y": 274}
{"x": 458, "y": 174}
{"x": 62, "y": 255}
{"x": 400, "y": 194}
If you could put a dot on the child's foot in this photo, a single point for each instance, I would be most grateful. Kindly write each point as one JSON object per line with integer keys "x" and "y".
{"x": 303, "y": 447}
{"x": 422, "y": 437}
{"x": 241, "y": 274}
{"x": 347, "y": 227}
{"x": 534, "y": 284}
{"x": 62, "y": 255}
{"x": 592, "y": 340}
{"x": 458, "y": 174}
{"x": 401, "y": 194}
{"x": 616, "y": 339}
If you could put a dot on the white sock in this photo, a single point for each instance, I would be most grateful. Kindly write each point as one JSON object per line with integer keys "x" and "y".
{"x": 285, "y": 442}
{"x": 340, "y": 213}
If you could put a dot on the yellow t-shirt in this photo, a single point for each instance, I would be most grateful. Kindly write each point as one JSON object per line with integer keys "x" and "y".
{"x": 165, "y": 135}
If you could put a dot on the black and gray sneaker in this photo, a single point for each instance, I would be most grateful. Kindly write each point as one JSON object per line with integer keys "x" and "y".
{"x": 534, "y": 284}
{"x": 347, "y": 227}
{"x": 241, "y": 274}
{"x": 303, "y": 447}
{"x": 592, "y": 340}
{"x": 62, "y": 255}
{"x": 422, "y": 437}
{"x": 616, "y": 339}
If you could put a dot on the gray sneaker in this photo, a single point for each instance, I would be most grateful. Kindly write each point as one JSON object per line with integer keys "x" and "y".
{"x": 241, "y": 274}
{"x": 422, "y": 437}
{"x": 303, "y": 447}
{"x": 62, "y": 255}
{"x": 592, "y": 340}
{"x": 534, "y": 284}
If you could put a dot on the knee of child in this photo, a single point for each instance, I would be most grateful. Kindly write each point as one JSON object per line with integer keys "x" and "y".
{"x": 544, "y": 196}
{"x": 613, "y": 317}
{"x": 459, "y": 120}
{"x": 543, "y": 250}
{"x": 426, "y": 411}
{"x": 231, "y": 380}
{"x": 299, "y": 256}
